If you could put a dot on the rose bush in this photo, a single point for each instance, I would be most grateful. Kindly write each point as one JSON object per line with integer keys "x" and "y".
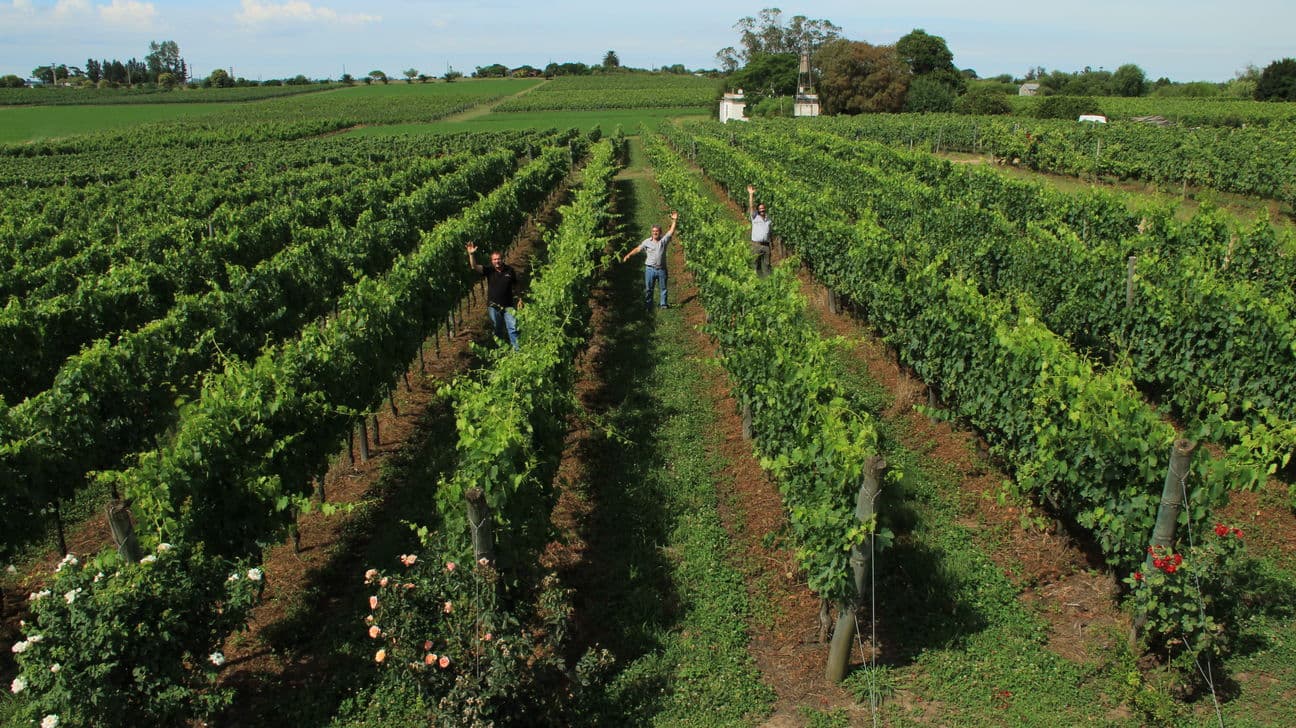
{"x": 118, "y": 644}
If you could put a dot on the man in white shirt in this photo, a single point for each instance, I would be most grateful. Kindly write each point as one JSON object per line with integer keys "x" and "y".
{"x": 760, "y": 233}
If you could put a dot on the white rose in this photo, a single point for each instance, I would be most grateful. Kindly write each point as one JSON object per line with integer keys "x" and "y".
{"x": 20, "y": 647}
{"x": 254, "y": 574}
{"x": 55, "y": 668}
{"x": 18, "y": 685}
{"x": 148, "y": 559}
{"x": 217, "y": 659}
{"x": 163, "y": 547}
{"x": 50, "y": 721}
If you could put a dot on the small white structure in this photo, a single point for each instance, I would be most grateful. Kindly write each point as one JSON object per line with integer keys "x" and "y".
{"x": 1028, "y": 89}
{"x": 733, "y": 107}
{"x": 1095, "y": 118}
{"x": 807, "y": 102}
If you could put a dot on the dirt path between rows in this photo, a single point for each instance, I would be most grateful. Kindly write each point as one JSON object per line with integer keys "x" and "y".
{"x": 306, "y": 590}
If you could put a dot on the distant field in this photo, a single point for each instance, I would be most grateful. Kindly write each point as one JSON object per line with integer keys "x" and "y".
{"x": 108, "y": 96}
{"x": 629, "y": 91}
{"x": 1189, "y": 111}
{"x": 276, "y": 118}
{"x": 628, "y": 119}
{"x": 33, "y": 123}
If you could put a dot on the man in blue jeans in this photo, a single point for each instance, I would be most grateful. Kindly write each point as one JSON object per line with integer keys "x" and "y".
{"x": 655, "y": 260}
{"x": 501, "y": 294}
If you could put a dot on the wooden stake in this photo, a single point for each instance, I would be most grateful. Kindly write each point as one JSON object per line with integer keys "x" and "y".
{"x": 1174, "y": 496}
{"x": 123, "y": 531}
{"x": 364, "y": 439}
{"x": 479, "y": 521}
{"x": 861, "y": 560}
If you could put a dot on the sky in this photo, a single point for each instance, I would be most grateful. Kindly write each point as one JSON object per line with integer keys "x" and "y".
{"x": 1184, "y": 40}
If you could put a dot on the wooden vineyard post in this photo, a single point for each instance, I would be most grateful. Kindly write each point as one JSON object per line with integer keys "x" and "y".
{"x": 746, "y": 418}
{"x": 1129, "y": 282}
{"x": 834, "y": 301}
{"x": 364, "y": 439}
{"x": 479, "y": 521}
{"x": 839, "y": 649}
{"x": 123, "y": 531}
{"x": 1174, "y": 493}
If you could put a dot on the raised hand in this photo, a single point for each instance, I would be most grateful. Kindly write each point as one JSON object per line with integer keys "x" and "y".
{"x": 471, "y": 248}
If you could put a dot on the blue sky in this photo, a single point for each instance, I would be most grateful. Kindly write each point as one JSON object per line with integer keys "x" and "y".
{"x": 1184, "y": 40}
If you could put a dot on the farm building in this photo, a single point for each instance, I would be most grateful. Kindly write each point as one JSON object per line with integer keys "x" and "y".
{"x": 1028, "y": 89}
{"x": 733, "y": 107}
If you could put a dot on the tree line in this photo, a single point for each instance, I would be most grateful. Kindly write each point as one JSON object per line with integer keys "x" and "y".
{"x": 918, "y": 74}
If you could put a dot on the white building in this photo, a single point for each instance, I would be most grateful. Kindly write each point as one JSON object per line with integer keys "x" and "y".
{"x": 733, "y": 107}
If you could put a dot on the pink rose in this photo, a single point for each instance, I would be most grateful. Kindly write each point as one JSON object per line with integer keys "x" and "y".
{"x": 429, "y": 659}
{"x": 448, "y": 608}
{"x": 380, "y": 656}
{"x": 370, "y": 575}
{"x": 450, "y": 566}
{"x": 374, "y": 632}
{"x": 444, "y": 662}
{"x": 373, "y": 602}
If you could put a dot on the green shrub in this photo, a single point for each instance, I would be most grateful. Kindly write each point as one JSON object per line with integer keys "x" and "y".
{"x": 983, "y": 101}
{"x": 1066, "y": 107}
{"x": 117, "y": 644}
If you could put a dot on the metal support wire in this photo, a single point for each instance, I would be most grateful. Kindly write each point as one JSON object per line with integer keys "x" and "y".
{"x": 1206, "y": 671}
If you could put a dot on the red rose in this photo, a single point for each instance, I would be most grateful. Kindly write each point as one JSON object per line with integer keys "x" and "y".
{"x": 1221, "y": 529}
{"x": 1170, "y": 568}
{"x": 1237, "y": 532}
{"x": 1178, "y": 559}
{"x": 1138, "y": 576}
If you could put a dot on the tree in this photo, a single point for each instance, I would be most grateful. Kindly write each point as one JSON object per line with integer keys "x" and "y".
{"x": 219, "y": 78}
{"x": 928, "y": 94}
{"x": 12, "y": 81}
{"x": 347, "y": 79}
{"x": 767, "y": 74}
{"x": 163, "y": 58}
{"x": 167, "y": 80}
{"x": 859, "y": 77}
{"x": 93, "y": 70}
{"x": 452, "y": 75}
{"x": 925, "y": 53}
{"x": 1128, "y": 80}
{"x": 766, "y": 34}
{"x": 610, "y": 60}
{"x": 410, "y": 74}
{"x": 376, "y": 75}
{"x": 1277, "y": 81}
{"x": 494, "y": 70}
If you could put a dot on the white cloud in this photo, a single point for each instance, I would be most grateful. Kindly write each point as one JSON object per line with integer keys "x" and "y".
{"x": 71, "y": 8}
{"x": 73, "y": 13}
{"x": 256, "y": 12}
{"x": 128, "y": 13}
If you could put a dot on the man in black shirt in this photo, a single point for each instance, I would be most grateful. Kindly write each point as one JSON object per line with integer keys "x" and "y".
{"x": 501, "y": 294}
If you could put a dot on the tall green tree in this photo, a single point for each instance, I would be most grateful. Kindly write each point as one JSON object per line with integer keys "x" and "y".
{"x": 861, "y": 78}
{"x": 610, "y": 60}
{"x": 767, "y": 74}
{"x": 1277, "y": 81}
{"x": 410, "y": 74}
{"x": 766, "y": 33}
{"x": 1128, "y": 80}
{"x": 929, "y": 58}
{"x": 925, "y": 53}
{"x": 163, "y": 58}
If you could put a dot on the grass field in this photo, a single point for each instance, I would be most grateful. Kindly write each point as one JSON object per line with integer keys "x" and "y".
{"x": 628, "y": 119}
{"x": 34, "y": 123}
